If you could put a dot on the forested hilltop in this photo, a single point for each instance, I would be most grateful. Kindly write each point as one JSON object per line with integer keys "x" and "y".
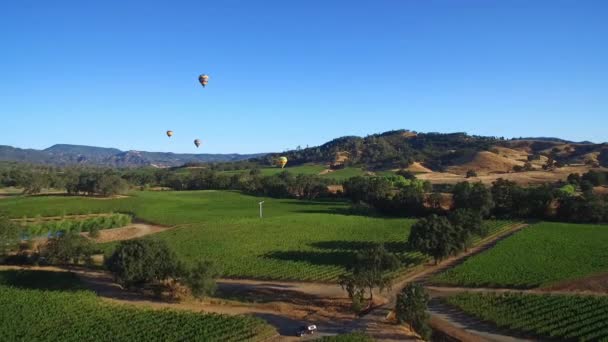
{"x": 437, "y": 151}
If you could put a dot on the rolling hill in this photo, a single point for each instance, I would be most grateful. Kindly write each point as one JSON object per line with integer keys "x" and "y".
{"x": 63, "y": 154}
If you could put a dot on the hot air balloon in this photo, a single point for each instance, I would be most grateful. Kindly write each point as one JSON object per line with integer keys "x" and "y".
{"x": 197, "y": 142}
{"x": 169, "y": 134}
{"x": 203, "y": 79}
{"x": 282, "y": 162}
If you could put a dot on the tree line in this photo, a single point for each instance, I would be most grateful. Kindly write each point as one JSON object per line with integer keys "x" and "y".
{"x": 573, "y": 200}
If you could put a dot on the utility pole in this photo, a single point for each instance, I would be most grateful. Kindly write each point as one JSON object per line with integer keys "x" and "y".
{"x": 261, "y": 209}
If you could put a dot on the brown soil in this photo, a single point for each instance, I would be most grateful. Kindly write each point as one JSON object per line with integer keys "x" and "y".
{"x": 132, "y": 231}
{"x": 596, "y": 283}
{"x": 417, "y": 167}
{"x": 341, "y": 157}
{"x": 326, "y": 171}
{"x": 335, "y": 188}
{"x": 601, "y": 190}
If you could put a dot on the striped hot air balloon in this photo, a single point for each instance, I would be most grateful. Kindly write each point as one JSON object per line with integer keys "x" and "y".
{"x": 204, "y": 80}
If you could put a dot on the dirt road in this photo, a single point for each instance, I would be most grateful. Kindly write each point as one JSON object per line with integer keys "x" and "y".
{"x": 287, "y": 305}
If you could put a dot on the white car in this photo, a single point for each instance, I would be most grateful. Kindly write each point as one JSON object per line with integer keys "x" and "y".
{"x": 307, "y": 330}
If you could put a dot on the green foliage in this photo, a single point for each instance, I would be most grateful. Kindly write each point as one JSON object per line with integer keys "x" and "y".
{"x": 9, "y": 235}
{"x": 539, "y": 255}
{"x": 68, "y": 248}
{"x": 89, "y": 224}
{"x": 371, "y": 269}
{"x": 473, "y": 196}
{"x": 550, "y": 317}
{"x": 35, "y": 315}
{"x": 434, "y": 236}
{"x": 567, "y": 190}
{"x": 466, "y": 224}
{"x": 411, "y": 309}
{"x": 200, "y": 279}
{"x": 136, "y": 263}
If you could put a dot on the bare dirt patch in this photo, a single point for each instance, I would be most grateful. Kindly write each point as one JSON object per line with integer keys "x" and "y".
{"x": 132, "y": 231}
{"x": 596, "y": 283}
{"x": 335, "y": 188}
{"x": 601, "y": 190}
{"x": 417, "y": 167}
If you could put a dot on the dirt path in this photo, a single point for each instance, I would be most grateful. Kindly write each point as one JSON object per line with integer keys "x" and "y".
{"x": 285, "y": 305}
{"x": 131, "y": 231}
{"x": 379, "y": 316}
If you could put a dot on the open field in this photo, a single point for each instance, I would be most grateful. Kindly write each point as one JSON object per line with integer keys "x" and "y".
{"x": 560, "y": 317}
{"x": 540, "y": 255}
{"x": 296, "y": 240}
{"x": 33, "y": 312}
{"x": 524, "y": 178}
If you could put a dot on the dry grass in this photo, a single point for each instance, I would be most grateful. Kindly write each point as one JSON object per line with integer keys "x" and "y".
{"x": 523, "y": 178}
{"x": 486, "y": 162}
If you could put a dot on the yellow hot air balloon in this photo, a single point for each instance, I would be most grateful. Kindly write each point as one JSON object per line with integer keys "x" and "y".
{"x": 197, "y": 142}
{"x": 282, "y": 162}
{"x": 169, "y": 134}
{"x": 203, "y": 79}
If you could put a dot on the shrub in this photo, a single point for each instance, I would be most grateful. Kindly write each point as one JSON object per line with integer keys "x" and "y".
{"x": 136, "y": 263}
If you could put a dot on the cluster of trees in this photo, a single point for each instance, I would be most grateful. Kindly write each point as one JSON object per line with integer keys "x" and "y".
{"x": 81, "y": 181}
{"x": 370, "y": 270}
{"x": 443, "y": 236}
{"x": 392, "y": 195}
{"x": 150, "y": 264}
{"x": 141, "y": 264}
{"x": 284, "y": 184}
{"x": 574, "y": 201}
{"x": 107, "y": 182}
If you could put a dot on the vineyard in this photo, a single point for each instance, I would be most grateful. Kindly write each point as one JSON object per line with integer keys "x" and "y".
{"x": 296, "y": 240}
{"x": 539, "y": 255}
{"x": 38, "y": 315}
{"x": 354, "y": 337}
{"x": 39, "y": 226}
{"x": 561, "y": 317}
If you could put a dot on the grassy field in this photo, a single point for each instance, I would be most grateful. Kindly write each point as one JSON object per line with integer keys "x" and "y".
{"x": 539, "y": 255}
{"x": 556, "y": 317}
{"x": 31, "y": 312}
{"x": 296, "y": 240}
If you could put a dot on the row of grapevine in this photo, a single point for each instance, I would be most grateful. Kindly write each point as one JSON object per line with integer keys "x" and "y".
{"x": 36, "y": 315}
{"x": 82, "y": 225}
{"x": 539, "y": 255}
{"x": 567, "y": 317}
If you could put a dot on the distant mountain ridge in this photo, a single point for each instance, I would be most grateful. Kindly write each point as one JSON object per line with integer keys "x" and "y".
{"x": 65, "y": 154}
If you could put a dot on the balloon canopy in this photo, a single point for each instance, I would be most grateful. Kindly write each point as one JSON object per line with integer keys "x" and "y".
{"x": 204, "y": 80}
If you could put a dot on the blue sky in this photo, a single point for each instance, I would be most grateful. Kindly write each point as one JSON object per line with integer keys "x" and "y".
{"x": 288, "y": 73}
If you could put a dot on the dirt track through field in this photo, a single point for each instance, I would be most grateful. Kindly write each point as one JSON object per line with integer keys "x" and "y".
{"x": 129, "y": 232}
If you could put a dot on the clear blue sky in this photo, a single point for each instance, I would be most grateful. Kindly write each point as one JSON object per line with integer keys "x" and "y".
{"x": 287, "y": 73}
